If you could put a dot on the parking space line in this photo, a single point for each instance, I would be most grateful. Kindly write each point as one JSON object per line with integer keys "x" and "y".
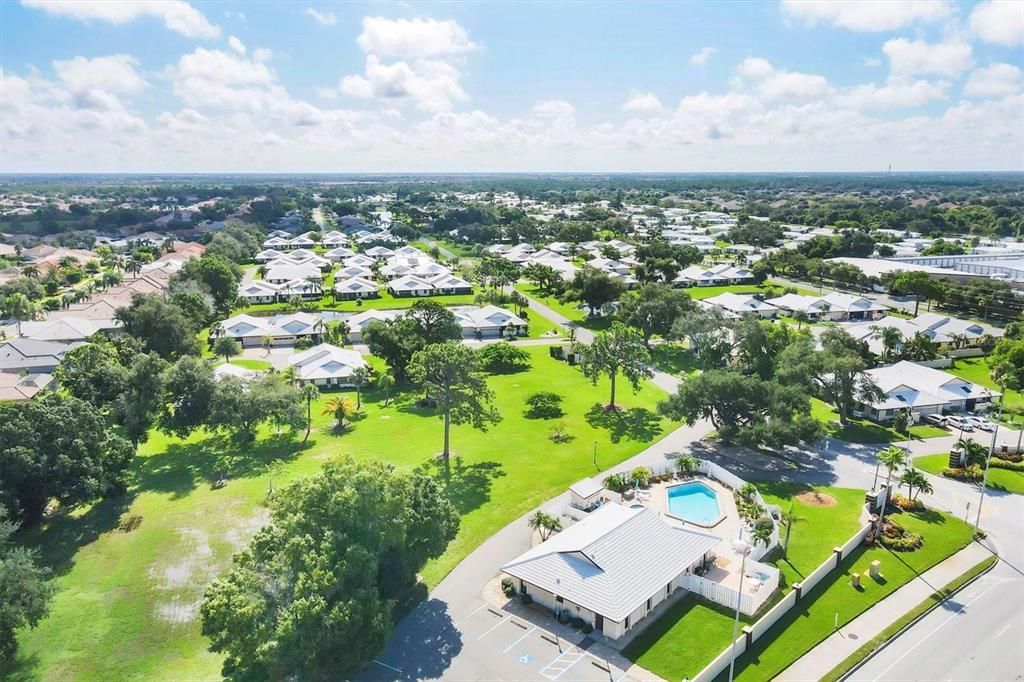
{"x": 490, "y": 629}
{"x": 528, "y": 633}
{"x": 471, "y": 613}
{"x": 566, "y": 669}
{"x": 565, "y": 665}
{"x": 389, "y": 667}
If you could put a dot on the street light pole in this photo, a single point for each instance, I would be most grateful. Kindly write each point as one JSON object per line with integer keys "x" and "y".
{"x": 988, "y": 461}
{"x": 743, "y": 548}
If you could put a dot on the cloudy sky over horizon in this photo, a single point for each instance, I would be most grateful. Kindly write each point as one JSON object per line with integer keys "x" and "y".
{"x": 175, "y": 86}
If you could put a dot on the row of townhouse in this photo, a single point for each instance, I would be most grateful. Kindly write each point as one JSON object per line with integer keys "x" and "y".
{"x": 713, "y": 276}
{"x": 947, "y": 332}
{"x": 284, "y": 330}
{"x": 829, "y": 307}
{"x": 920, "y": 391}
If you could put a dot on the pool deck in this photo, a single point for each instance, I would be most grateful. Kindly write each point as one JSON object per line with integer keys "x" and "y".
{"x": 727, "y": 564}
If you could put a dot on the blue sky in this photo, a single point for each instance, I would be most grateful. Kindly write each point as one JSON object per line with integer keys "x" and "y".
{"x": 92, "y": 85}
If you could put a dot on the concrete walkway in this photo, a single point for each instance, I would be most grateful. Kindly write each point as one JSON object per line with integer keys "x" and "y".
{"x": 816, "y": 663}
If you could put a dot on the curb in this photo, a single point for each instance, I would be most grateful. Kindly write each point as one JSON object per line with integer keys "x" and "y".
{"x": 884, "y": 645}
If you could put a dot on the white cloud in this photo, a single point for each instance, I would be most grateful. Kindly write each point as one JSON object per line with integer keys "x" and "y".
{"x": 554, "y": 109}
{"x": 236, "y": 45}
{"x": 322, "y": 18}
{"x": 114, "y": 73}
{"x": 327, "y": 93}
{"x": 998, "y": 21}
{"x": 642, "y": 102}
{"x": 896, "y": 93}
{"x": 431, "y": 85}
{"x": 411, "y": 38}
{"x": 997, "y": 80}
{"x": 177, "y": 15}
{"x": 778, "y": 84}
{"x": 867, "y": 16}
{"x": 701, "y": 57}
{"x": 917, "y": 57}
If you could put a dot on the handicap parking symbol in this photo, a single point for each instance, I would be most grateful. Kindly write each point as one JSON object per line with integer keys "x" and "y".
{"x": 525, "y": 659}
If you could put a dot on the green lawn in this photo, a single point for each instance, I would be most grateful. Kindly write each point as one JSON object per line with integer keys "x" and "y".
{"x": 252, "y": 363}
{"x": 132, "y": 571}
{"x": 978, "y": 371}
{"x": 867, "y": 431}
{"x": 812, "y": 619}
{"x": 768, "y": 288}
{"x": 694, "y": 631}
{"x": 570, "y": 311}
{"x": 461, "y": 250}
{"x": 673, "y": 359}
{"x": 998, "y": 479}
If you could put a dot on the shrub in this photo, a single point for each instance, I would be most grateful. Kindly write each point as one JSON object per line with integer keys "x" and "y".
{"x": 1011, "y": 457}
{"x": 544, "y": 405}
{"x": 1000, "y": 463}
{"x": 904, "y": 504}
{"x": 303, "y": 343}
{"x": 503, "y": 357}
{"x": 687, "y": 464}
{"x": 588, "y": 628}
{"x": 898, "y": 539}
{"x": 641, "y": 476}
{"x": 508, "y": 587}
{"x": 971, "y": 473}
{"x": 764, "y": 522}
{"x": 577, "y": 623}
{"x": 616, "y": 483}
{"x": 560, "y": 434}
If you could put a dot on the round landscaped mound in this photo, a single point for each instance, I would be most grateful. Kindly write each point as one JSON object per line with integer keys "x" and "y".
{"x": 815, "y": 499}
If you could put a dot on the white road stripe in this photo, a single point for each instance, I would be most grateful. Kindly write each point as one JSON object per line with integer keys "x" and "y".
{"x": 389, "y": 667}
{"x": 474, "y": 611}
{"x": 528, "y": 632}
{"x": 490, "y": 629}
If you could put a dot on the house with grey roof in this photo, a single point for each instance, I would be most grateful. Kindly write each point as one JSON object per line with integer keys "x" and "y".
{"x": 30, "y": 355}
{"x": 612, "y": 568}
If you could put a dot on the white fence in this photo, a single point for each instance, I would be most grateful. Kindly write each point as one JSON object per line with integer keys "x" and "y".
{"x": 755, "y": 631}
{"x": 720, "y": 594}
{"x": 966, "y": 353}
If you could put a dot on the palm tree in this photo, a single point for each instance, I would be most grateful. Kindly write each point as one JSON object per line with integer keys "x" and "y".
{"x": 360, "y": 377}
{"x": 544, "y": 523}
{"x": 893, "y": 457}
{"x": 912, "y": 478}
{"x": 687, "y": 464}
{"x": 385, "y": 382}
{"x": 891, "y": 339}
{"x": 974, "y": 452}
{"x": 134, "y": 265}
{"x": 958, "y": 340}
{"x": 310, "y": 392}
{"x": 337, "y": 333}
{"x": 339, "y": 408}
{"x": 19, "y": 307}
{"x": 30, "y": 271}
{"x": 761, "y": 535}
{"x": 800, "y": 317}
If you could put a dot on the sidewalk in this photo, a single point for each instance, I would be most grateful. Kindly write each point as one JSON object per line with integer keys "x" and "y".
{"x": 820, "y": 660}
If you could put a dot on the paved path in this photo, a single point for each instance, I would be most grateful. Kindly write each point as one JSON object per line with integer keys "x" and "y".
{"x": 836, "y": 648}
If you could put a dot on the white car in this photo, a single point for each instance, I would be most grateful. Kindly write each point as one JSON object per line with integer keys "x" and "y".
{"x": 936, "y": 419}
{"x": 955, "y": 421}
{"x": 981, "y": 423}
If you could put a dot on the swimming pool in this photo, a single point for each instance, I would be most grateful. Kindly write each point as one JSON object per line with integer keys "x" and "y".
{"x": 694, "y": 502}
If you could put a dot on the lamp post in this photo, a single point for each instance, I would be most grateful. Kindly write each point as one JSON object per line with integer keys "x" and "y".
{"x": 743, "y": 548}
{"x": 988, "y": 460}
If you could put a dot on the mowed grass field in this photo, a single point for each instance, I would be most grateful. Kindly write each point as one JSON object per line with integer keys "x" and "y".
{"x": 1006, "y": 480}
{"x": 131, "y": 571}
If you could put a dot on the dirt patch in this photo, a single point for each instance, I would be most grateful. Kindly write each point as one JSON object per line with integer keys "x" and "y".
{"x": 816, "y": 499}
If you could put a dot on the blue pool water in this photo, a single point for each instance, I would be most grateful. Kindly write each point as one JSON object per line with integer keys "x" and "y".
{"x": 694, "y": 502}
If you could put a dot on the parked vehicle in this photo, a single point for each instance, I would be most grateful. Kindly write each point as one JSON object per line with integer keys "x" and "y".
{"x": 981, "y": 423}
{"x": 955, "y": 421}
{"x": 936, "y": 419}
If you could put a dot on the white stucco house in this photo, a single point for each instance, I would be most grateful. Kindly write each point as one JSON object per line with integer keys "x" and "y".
{"x": 835, "y": 306}
{"x": 612, "y": 568}
{"x": 355, "y": 287}
{"x": 923, "y": 391}
{"x": 737, "y": 305}
{"x": 326, "y": 366}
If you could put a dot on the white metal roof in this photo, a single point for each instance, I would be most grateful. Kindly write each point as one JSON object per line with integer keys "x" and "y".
{"x": 612, "y": 561}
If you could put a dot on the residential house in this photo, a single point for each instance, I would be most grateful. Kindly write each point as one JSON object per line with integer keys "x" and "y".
{"x": 16, "y": 386}
{"x": 922, "y": 390}
{"x": 283, "y": 330}
{"x": 446, "y": 284}
{"x": 326, "y": 365}
{"x": 612, "y": 568}
{"x": 355, "y": 287}
{"x": 410, "y": 285}
{"x": 350, "y": 271}
{"x": 717, "y": 275}
{"x": 379, "y": 252}
{"x": 737, "y": 305}
{"x": 280, "y": 272}
{"x": 29, "y": 355}
{"x": 268, "y": 255}
{"x": 333, "y": 239}
{"x": 488, "y": 321}
{"x": 258, "y": 291}
{"x": 834, "y": 306}
{"x": 340, "y": 254}
{"x": 360, "y": 260}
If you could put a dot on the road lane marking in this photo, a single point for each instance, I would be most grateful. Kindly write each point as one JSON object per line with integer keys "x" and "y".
{"x": 528, "y": 632}
{"x": 937, "y": 628}
{"x": 566, "y": 669}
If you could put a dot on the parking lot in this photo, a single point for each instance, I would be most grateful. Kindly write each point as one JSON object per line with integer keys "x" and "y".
{"x": 497, "y": 645}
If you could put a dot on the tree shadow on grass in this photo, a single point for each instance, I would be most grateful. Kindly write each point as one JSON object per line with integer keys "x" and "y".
{"x": 183, "y": 466}
{"x": 636, "y": 423}
{"x": 468, "y": 486}
{"x": 60, "y": 537}
{"x": 23, "y": 668}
